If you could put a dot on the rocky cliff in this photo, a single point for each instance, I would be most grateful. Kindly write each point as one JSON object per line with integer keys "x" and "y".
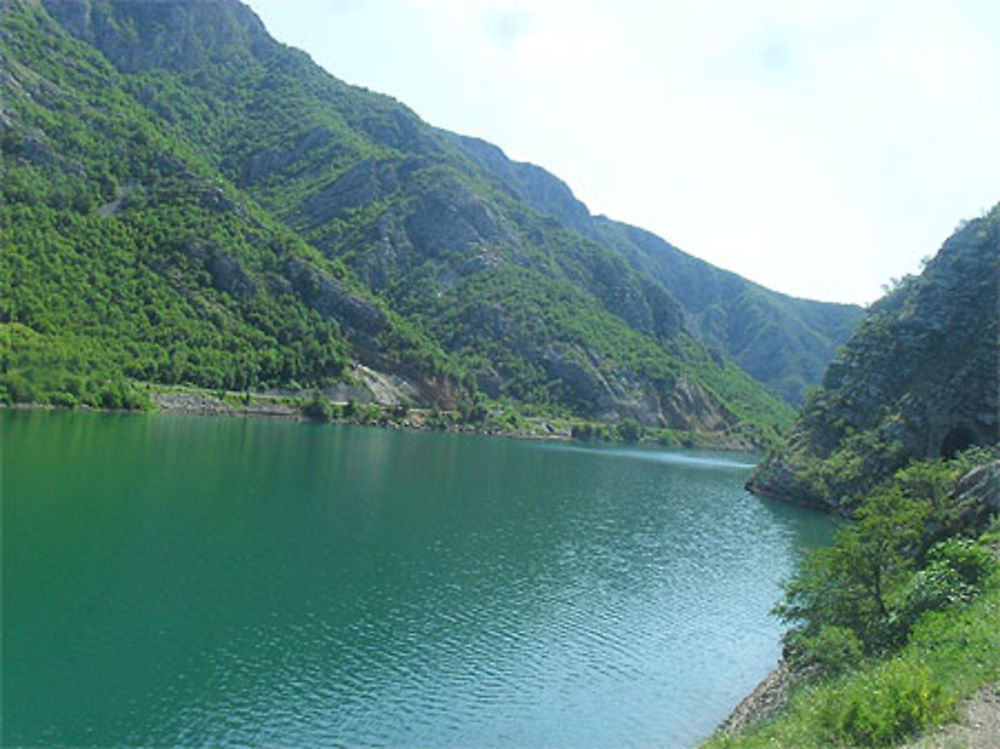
{"x": 920, "y": 378}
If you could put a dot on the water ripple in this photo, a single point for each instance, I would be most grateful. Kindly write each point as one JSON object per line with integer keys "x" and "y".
{"x": 276, "y": 585}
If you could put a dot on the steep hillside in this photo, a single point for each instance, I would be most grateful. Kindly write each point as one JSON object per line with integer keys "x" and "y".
{"x": 193, "y": 235}
{"x": 920, "y": 378}
{"x": 783, "y": 342}
{"x": 126, "y": 256}
{"x": 349, "y": 230}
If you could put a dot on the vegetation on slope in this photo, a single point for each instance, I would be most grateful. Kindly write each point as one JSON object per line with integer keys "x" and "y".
{"x": 918, "y": 379}
{"x": 192, "y": 202}
{"x": 783, "y": 342}
{"x": 900, "y": 619}
{"x": 126, "y": 257}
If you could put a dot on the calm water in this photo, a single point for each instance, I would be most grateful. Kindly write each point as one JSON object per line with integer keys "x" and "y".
{"x": 192, "y": 581}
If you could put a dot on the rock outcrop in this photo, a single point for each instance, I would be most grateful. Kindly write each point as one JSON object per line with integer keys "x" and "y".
{"x": 920, "y": 379}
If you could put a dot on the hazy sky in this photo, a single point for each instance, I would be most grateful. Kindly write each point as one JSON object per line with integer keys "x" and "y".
{"x": 819, "y": 148}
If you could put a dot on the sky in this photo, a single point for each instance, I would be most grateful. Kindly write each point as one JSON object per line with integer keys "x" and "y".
{"x": 819, "y": 148}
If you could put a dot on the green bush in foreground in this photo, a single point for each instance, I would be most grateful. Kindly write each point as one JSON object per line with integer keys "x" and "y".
{"x": 883, "y": 705}
{"x": 898, "y": 620}
{"x": 889, "y": 566}
{"x": 950, "y": 654}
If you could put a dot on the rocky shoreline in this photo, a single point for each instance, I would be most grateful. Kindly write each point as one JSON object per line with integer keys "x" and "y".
{"x": 202, "y": 404}
{"x": 280, "y": 405}
{"x": 766, "y": 699}
{"x": 977, "y": 725}
{"x": 207, "y": 405}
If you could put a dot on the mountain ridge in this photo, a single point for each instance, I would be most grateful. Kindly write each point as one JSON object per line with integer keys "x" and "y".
{"x": 404, "y": 210}
{"x": 714, "y": 300}
{"x": 785, "y": 336}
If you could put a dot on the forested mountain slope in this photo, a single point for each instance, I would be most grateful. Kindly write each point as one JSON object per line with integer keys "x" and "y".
{"x": 238, "y": 217}
{"x": 919, "y": 378}
{"x": 782, "y": 341}
{"x": 125, "y": 255}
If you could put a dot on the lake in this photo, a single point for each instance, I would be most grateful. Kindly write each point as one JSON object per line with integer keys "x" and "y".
{"x": 183, "y": 580}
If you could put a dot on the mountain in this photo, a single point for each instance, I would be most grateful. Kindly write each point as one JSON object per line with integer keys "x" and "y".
{"x": 126, "y": 255}
{"x": 781, "y": 341}
{"x": 919, "y": 379}
{"x": 187, "y": 200}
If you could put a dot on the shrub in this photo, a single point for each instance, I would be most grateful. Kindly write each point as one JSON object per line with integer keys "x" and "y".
{"x": 834, "y": 649}
{"x": 971, "y": 561}
{"x": 851, "y": 583}
{"x": 630, "y": 430}
{"x": 882, "y": 707}
{"x": 62, "y": 398}
{"x": 474, "y": 413}
{"x": 932, "y": 588}
{"x": 317, "y": 408}
{"x": 955, "y": 572}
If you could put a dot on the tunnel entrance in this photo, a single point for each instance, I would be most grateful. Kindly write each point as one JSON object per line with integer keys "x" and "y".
{"x": 956, "y": 440}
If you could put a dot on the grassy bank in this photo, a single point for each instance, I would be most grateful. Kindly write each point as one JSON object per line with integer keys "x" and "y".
{"x": 887, "y": 700}
{"x": 898, "y": 622}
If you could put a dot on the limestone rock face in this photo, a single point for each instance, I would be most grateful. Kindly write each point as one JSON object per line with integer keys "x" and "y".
{"x": 919, "y": 379}
{"x": 978, "y": 495}
{"x": 140, "y": 35}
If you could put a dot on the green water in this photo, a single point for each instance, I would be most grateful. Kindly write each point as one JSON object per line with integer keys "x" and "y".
{"x": 193, "y": 581}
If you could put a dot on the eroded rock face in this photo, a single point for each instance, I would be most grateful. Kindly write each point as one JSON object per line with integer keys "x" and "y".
{"x": 690, "y": 407}
{"x": 177, "y": 36}
{"x": 919, "y": 379}
{"x": 450, "y": 218}
{"x": 978, "y": 494}
{"x": 361, "y": 319}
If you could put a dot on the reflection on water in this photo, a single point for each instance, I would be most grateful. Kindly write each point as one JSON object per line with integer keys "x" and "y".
{"x": 694, "y": 458}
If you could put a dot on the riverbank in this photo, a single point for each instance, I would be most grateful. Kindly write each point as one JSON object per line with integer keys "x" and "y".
{"x": 347, "y": 412}
{"x": 490, "y": 419}
{"x": 938, "y": 690}
{"x": 976, "y": 725}
{"x": 766, "y": 700}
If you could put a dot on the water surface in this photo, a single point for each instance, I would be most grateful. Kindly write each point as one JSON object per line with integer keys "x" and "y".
{"x": 177, "y": 580}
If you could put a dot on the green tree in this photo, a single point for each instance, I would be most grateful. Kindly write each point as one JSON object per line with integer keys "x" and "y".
{"x": 630, "y": 430}
{"x": 850, "y": 584}
{"x": 317, "y": 408}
